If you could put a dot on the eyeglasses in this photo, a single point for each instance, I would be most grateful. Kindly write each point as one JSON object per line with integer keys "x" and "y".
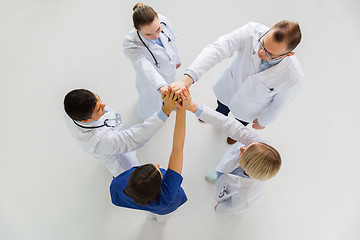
{"x": 266, "y": 51}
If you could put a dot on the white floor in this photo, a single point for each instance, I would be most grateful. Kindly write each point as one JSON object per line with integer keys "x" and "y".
{"x": 52, "y": 189}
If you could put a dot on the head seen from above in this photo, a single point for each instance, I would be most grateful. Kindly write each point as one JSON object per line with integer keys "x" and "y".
{"x": 260, "y": 161}
{"x": 144, "y": 184}
{"x": 146, "y": 21}
{"x": 83, "y": 105}
{"x": 279, "y": 41}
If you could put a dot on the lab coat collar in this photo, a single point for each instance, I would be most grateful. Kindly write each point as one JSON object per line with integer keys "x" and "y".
{"x": 231, "y": 166}
{"x": 165, "y": 42}
{"x": 146, "y": 42}
{"x": 151, "y": 43}
{"x": 97, "y": 122}
{"x": 238, "y": 181}
{"x": 228, "y": 165}
{"x": 255, "y": 60}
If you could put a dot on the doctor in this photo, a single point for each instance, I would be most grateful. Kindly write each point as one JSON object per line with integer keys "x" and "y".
{"x": 99, "y": 131}
{"x": 151, "y": 48}
{"x": 245, "y": 166}
{"x": 261, "y": 81}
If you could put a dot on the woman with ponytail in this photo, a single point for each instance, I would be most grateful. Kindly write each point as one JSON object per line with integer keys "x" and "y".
{"x": 152, "y": 50}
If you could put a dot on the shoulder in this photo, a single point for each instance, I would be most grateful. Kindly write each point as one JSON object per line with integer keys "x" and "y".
{"x": 119, "y": 183}
{"x": 170, "y": 172}
{"x": 255, "y": 28}
{"x": 162, "y": 18}
{"x": 249, "y": 33}
{"x": 164, "y": 21}
{"x": 172, "y": 178}
{"x": 292, "y": 68}
{"x": 131, "y": 38}
{"x": 240, "y": 182}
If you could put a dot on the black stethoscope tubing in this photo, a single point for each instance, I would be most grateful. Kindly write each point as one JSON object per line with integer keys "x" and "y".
{"x": 169, "y": 40}
{"x": 105, "y": 124}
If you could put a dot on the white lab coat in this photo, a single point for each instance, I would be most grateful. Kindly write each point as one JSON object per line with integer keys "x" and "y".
{"x": 246, "y": 92}
{"x": 114, "y": 147}
{"x": 148, "y": 76}
{"x": 235, "y": 194}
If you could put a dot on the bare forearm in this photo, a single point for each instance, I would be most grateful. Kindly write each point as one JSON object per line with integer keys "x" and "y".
{"x": 192, "y": 107}
{"x": 176, "y": 157}
{"x": 187, "y": 80}
{"x": 176, "y": 161}
{"x": 179, "y": 130}
{"x": 177, "y": 87}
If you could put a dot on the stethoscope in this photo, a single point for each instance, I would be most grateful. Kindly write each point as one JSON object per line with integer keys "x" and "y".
{"x": 169, "y": 40}
{"x": 222, "y": 192}
{"x": 107, "y": 123}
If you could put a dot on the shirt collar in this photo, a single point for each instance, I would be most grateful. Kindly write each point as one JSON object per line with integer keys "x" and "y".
{"x": 272, "y": 62}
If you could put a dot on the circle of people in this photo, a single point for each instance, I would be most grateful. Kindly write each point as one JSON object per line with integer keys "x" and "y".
{"x": 260, "y": 82}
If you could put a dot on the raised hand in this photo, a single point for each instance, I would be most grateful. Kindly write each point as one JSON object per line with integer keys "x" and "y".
{"x": 256, "y": 125}
{"x": 187, "y": 102}
{"x": 169, "y": 99}
{"x": 164, "y": 88}
{"x": 177, "y": 87}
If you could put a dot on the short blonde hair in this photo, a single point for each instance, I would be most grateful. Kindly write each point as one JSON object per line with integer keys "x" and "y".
{"x": 260, "y": 161}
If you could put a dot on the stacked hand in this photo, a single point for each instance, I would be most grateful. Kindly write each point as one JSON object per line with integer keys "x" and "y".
{"x": 186, "y": 103}
{"x": 184, "y": 100}
{"x": 164, "y": 88}
{"x": 169, "y": 98}
{"x": 181, "y": 100}
{"x": 177, "y": 87}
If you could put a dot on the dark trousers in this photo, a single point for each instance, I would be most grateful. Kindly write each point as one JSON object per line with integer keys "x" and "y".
{"x": 223, "y": 109}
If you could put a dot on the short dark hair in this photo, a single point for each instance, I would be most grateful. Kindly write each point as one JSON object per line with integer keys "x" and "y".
{"x": 79, "y": 104}
{"x": 143, "y": 15}
{"x": 289, "y": 31}
{"x": 144, "y": 184}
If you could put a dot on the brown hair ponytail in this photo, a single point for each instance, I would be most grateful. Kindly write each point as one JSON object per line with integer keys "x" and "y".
{"x": 143, "y": 15}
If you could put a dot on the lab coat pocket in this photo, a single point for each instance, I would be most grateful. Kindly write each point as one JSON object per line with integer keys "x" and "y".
{"x": 255, "y": 93}
{"x": 262, "y": 92}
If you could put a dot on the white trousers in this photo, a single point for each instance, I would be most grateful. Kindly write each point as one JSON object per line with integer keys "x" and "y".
{"x": 159, "y": 218}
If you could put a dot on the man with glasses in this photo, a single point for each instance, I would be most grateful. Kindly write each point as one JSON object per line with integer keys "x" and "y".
{"x": 263, "y": 78}
{"x": 98, "y": 129}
